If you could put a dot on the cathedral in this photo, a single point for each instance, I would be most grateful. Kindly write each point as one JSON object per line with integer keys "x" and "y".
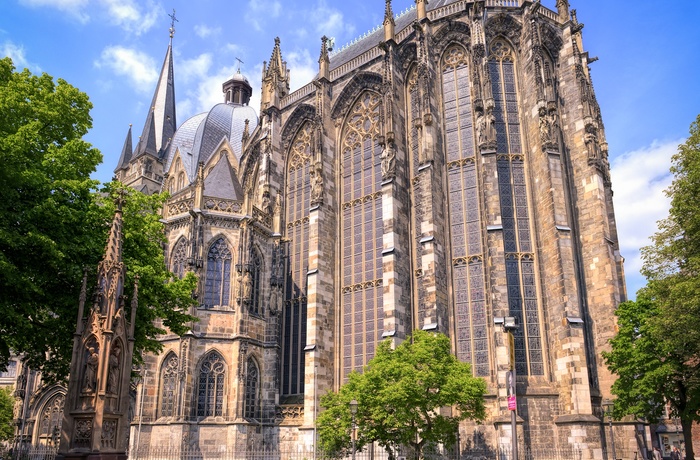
{"x": 444, "y": 171}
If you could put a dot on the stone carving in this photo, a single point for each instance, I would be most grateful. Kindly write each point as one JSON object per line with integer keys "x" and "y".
{"x": 246, "y": 286}
{"x": 275, "y": 298}
{"x": 82, "y": 433}
{"x": 91, "y": 362}
{"x": 316, "y": 184}
{"x": 388, "y": 157}
{"x": 109, "y": 433}
{"x": 548, "y": 128}
{"x": 113, "y": 371}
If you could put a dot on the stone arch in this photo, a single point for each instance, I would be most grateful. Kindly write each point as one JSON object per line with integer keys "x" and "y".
{"x": 551, "y": 40}
{"x": 301, "y": 114}
{"x": 360, "y": 82}
{"x": 504, "y": 26}
{"x": 48, "y": 415}
{"x": 210, "y": 385}
{"x": 167, "y": 384}
{"x": 453, "y": 32}
{"x": 253, "y": 378}
{"x": 178, "y": 257}
{"x": 218, "y": 270}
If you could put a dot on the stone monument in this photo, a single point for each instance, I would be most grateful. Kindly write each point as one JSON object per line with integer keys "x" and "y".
{"x": 95, "y": 424}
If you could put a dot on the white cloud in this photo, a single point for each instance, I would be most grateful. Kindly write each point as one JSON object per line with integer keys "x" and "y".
{"x": 204, "y": 31}
{"x": 130, "y": 15}
{"x": 302, "y": 67}
{"x": 137, "y": 67}
{"x": 639, "y": 179}
{"x": 330, "y": 22}
{"x": 17, "y": 54}
{"x": 74, "y": 8}
{"x": 260, "y": 10}
{"x": 192, "y": 69}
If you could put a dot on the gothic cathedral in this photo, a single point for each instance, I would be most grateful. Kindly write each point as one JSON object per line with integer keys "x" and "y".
{"x": 445, "y": 170}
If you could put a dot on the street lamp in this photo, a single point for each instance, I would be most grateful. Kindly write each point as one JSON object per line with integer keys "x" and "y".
{"x": 608, "y": 410}
{"x": 509, "y": 325}
{"x": 353, "y": 411}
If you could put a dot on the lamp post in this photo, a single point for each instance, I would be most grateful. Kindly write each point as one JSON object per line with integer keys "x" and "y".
{"x": 509, "y": 325}
{"x": 353, "y": 411}
{"x": 607, "y": 410}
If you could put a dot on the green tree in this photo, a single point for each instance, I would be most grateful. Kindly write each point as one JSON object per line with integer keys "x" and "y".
{"x": 7, "y": 403}
{"x": 53, "y": 223}
{"x": 414, "y": 395}
{"x": 656, "y": 353}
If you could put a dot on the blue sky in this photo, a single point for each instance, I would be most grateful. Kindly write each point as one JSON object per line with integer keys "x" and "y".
{"x": 647, "y": 79}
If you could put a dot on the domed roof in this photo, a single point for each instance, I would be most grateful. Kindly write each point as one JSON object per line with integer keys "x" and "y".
{"x": 238, "y": 76}
{"x": 198, "y": 137}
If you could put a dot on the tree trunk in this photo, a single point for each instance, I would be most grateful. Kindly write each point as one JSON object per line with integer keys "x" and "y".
{"x": 687, "y": 425}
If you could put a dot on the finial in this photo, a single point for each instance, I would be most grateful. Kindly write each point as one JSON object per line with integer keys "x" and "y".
{"x": 173, "y": 20}
{"x": 239, "y": 65}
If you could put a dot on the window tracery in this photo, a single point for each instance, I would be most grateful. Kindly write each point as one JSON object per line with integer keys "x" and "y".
{"x": 217, "y": 284}
{"x": 255, "y": 272}
{"x": 464, "y": 197}
{"x": 168, "y": 384}
{"x": 361, "y": 233}
{"x": 210, "y": 394}
{"x": 179, "y": 258}
{"x": 52, "y": 418}
{"x": 251, "y": 390}
{"x": 297, "y": 230}
{"x": 523, "y": 303}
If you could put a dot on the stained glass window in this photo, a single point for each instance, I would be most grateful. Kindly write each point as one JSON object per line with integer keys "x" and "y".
{"x": 168, "y": 385}
{"x": 179, "y": 259}
{"x": 297, "y": 228}
{"x": 523, "y": 303}
{"x": 251, "y": 390}
{"x": 210, "y": 387}
{"x": 361, "y": 233}
{"x": 217, "y": 283}
{"x": 468, "y": 276}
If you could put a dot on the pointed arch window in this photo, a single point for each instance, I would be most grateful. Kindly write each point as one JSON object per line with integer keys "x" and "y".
{"x": 520, "y": 267}
{"x": 255, "y": 273}
{"x": 362, "y": 316}
{"x": 51, "y": 419}
{"x": 217, "y": 284}
{"x": 297, "y": 231}
{"x": 168, "y": 385}
{"x": 252, "y": 382}
{"x": 464, "y": 213}
{"x": 179, "y": 259}
{"x": 181, "y": 181}
{"x": 210, "y": 386}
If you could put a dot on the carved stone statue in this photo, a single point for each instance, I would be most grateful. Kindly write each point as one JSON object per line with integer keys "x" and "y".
{"x": 113, "y": 371}
{"x": 481, "y": 137}
{"x": 246, "y": 286}
{"x": 274, "y": 301}
{"x": 388, "y": 160}
{"x": 90, "y": 378}
{"x": 548, "y": 125}
{"x": 316, "y": 184}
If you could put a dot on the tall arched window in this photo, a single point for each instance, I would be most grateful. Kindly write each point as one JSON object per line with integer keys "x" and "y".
{"x": 51, "y": 419}
{"x": 210, "y": 387}
{"x": 251, "y": 390}
{"x": 297, "y": 209}
{"x": 168, "y": 385}
{"x": 179, "y": 258}
{"x": 512, "y": 189}
{"x": 217, "y": 284}
{"x": 362, "y": 316}
{"x": 464, "y": 196}
{"x": 255, "y": 273}
{"x": 181, "y": 181}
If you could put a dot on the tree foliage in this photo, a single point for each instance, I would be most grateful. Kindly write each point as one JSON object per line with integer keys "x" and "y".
{"x": 414, "y": 395}
{"x": 54, "y": 222}
{"x": 656, "y": 353}
{"x": 7, "y": 403}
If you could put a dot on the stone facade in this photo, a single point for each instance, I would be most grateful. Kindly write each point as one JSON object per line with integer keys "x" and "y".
{"x": 449, "y": 168}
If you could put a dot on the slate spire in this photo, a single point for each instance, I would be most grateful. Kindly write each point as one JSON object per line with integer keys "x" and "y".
{"x": 127, "y": 150}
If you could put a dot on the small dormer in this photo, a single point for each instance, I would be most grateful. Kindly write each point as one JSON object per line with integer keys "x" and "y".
{"x": 237, "y": 90}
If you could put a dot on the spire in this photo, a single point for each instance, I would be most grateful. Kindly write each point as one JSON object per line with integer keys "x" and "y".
{"x": 388, "y": 22}
{"x": 421, "y": 9}
{"x": 125, "y": 157}
{"x": 275, "y": 79}
{"x": 110, "y": 272}
{"x": 236, "y": 89}
{"x": 324, "y": 60}
{"x": 161, "y": 117}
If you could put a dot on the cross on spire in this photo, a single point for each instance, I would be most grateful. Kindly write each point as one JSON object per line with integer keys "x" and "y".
{"x": 173, "y": 20}
{"x": 239, "y": 64}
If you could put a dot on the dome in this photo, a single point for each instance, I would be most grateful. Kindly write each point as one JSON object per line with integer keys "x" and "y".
{"x": 199, "y": 136}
